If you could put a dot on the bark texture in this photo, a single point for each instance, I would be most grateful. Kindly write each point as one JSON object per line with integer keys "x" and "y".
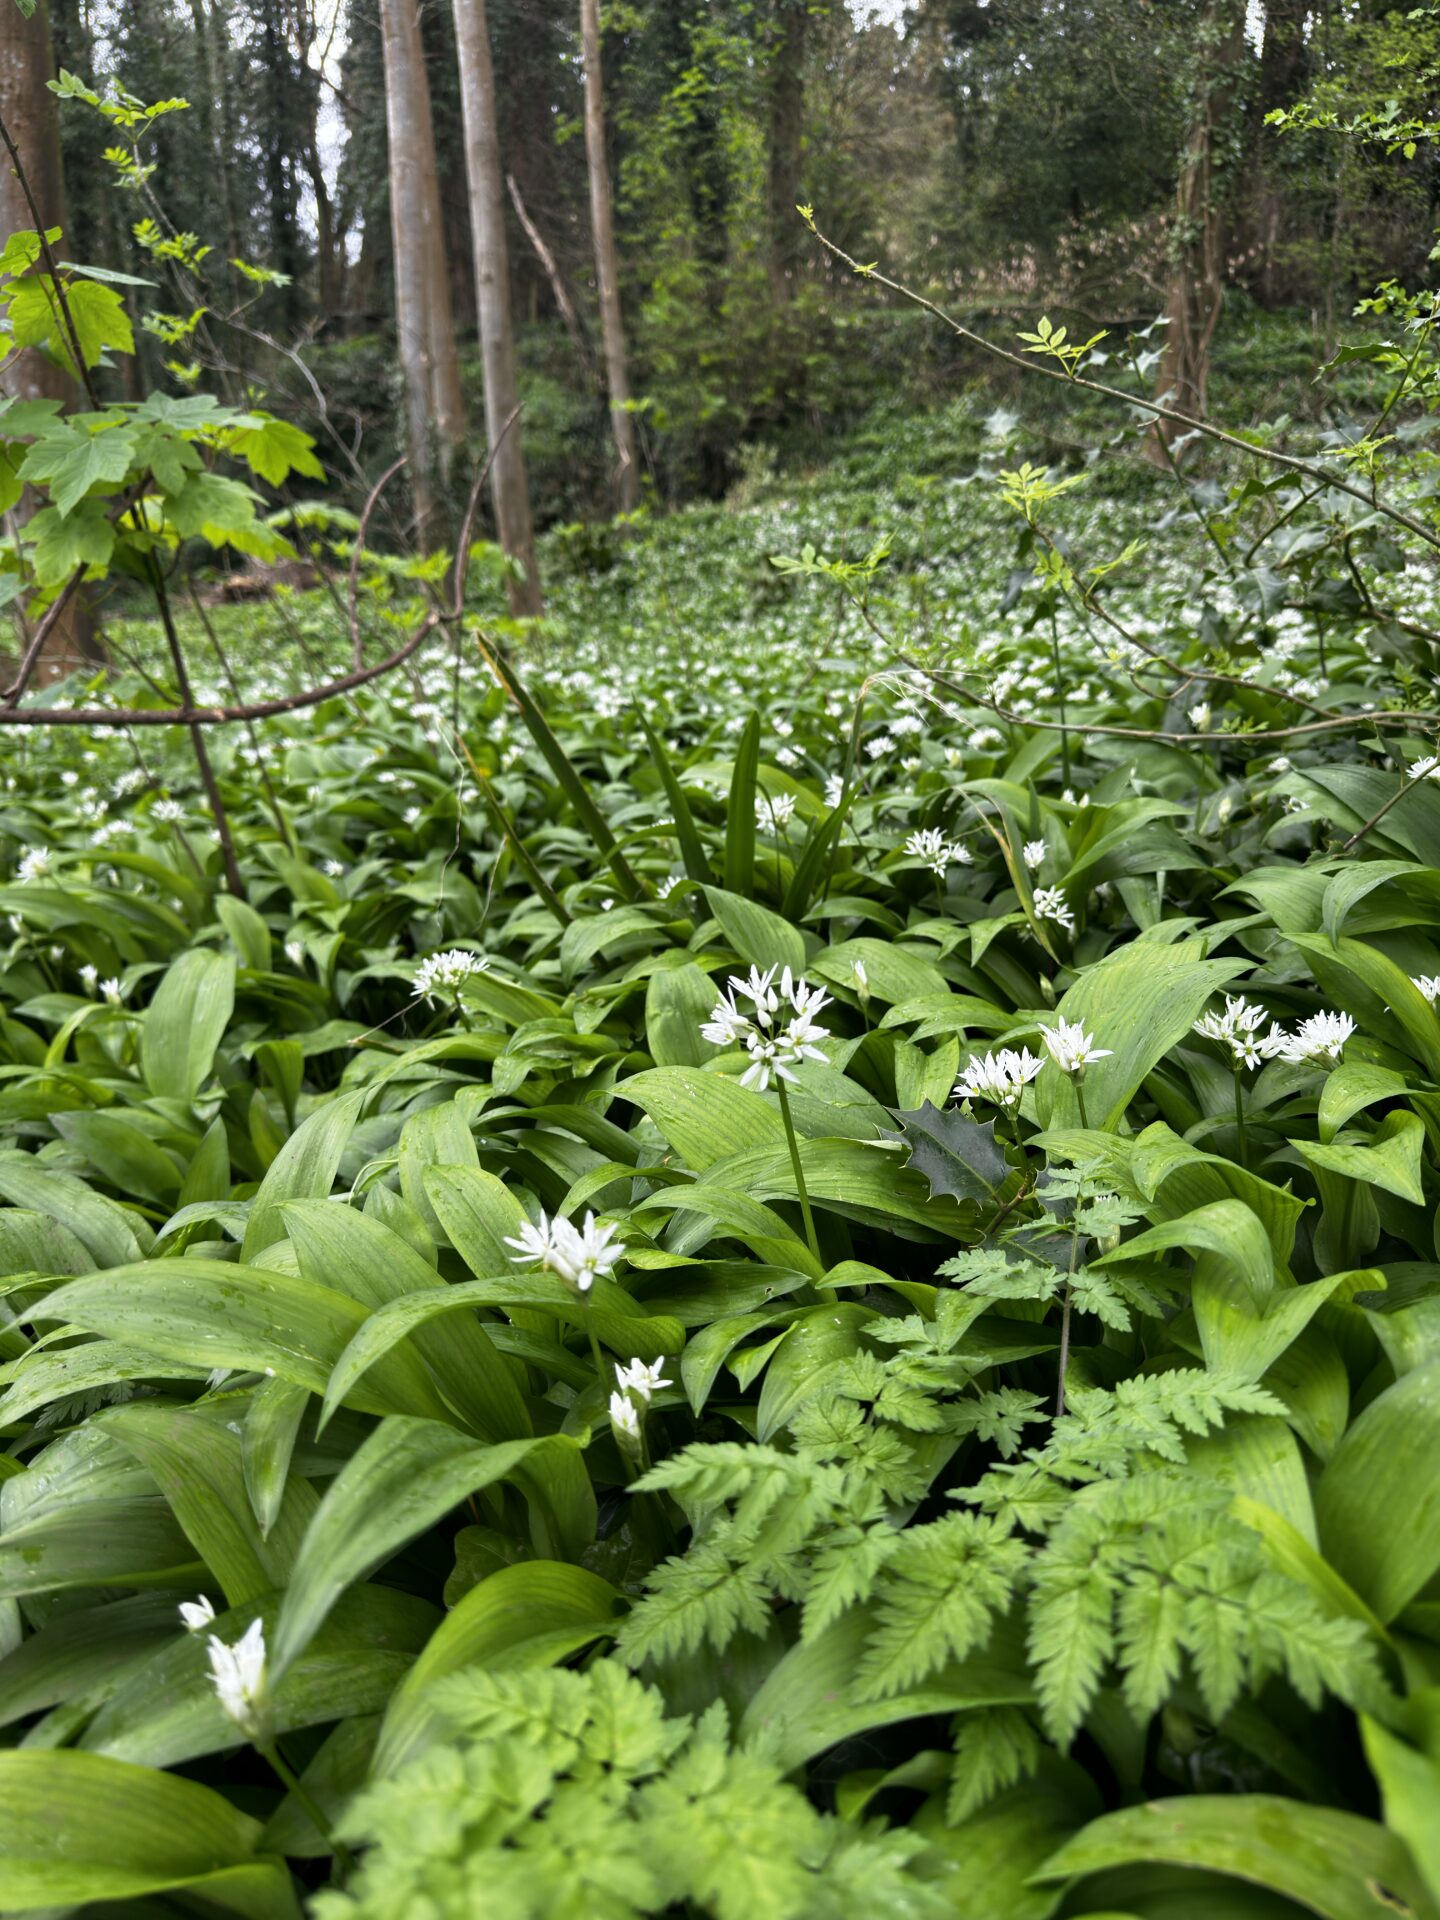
{"x": 510, "y": 489}
{"x": 607, "y": 265}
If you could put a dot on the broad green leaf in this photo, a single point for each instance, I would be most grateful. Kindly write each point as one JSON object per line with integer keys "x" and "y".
{"x": 1138, "y": 1001}
{"x": 340, "y": 1247}
{"x": 761, "y": 938}
{"x": 80, "y": 1827}
{"x": 533, "y": 1614}
{"x": 740, "y": 814}
{"x": 304, "y": 1169}
{"x": 208, "y": 1311}
{"x": 403, "y": 1479}
{"x": 1389, "y": 1160}
{"x": 267, "y": 1443}
{"x": 1332, "y": 1864}
{"x": 704, "y": 1116}
{"x": 185, "y": 1021}
{"x": 1379, "y": 1518}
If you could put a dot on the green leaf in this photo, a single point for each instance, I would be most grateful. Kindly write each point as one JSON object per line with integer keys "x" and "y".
{"x": 704, "y": 1116}
{"x": 740, "y": 814}
{"x": 340, "y": 1247}
{"x": 80, "y": 1827}
{"x": 1138, "y": 1001}
{"x": 304, "y": 1169}
{"x": 220, "y": 1315}
{"x": 185, "y": 1022}
{"x": 405, "y": 1477}
{"x": 1390, "y": 1160}
{"x": 692, "y": 850}
{"x": 530, "y": 1615}
{"x": 1332, "y": 1864}
{"x": 1379, "y": 1519}
{"x": 759, "y": 936}
{"x": 274, "y": 449}
{"x": 72, "y": 458}
{"x": 196, "y": 1464}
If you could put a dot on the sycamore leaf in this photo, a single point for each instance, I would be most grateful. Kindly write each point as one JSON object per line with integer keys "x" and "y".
{"x": 97, "y": 313}
{"x": 72, "y": 458}
{"x": 210, "y": 504}
{"x": 274, "y": 449}
{"x": 957, "y": 1156}
{"x": 66, "y": 541}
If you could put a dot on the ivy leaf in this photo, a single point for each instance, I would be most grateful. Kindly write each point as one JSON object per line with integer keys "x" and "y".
{"x": 74, "y": 457}
{"x": 957, "y": 1156}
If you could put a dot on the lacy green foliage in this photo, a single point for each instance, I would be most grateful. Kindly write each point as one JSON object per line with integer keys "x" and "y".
{"x": 561, "y": 1796}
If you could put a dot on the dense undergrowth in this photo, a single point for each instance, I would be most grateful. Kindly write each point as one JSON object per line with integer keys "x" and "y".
{"x": 951, "y": 1479}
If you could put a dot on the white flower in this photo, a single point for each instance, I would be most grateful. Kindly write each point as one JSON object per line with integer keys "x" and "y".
{"x": 939, "y": 854}
{"x": 445, "y": 972}
{"x": 238, "y": 1676}
{"x": 623, "y": 1417}
{"x": 879, "y": 746}
{"x": 295, "y": 952}
{"x": 334, "y": 868}
{"x": 112, "y": 991}
{"x": 412, "y": 814}
{"x": 1200, "y": 716}
{"x": 34, "y": 865}
{"x": 1426, "y": 769}
{"x": 576, "y": 1255}
{"x": 1050, "y": 904}
{"x": 1238, "y": 1028}
{"x": 1070, "y": 1047}
{"x": 668, "y": 885}
{"x": 834, "y": 790}
{"x": 1322, "y": 1037}
{"x": 1033, "y": 853}
{"x": 1429, "y": 985}
{"x": 780, "y": 805}
{"x": 89, "y": 978}
{"x": 1280, "y": 764}
{"x": 196, "y": 1614}
{"x": 167, "y": 811}
{"x": 774, "y": 1046}
{"x": 643, "y": 1378}
{"x": 861, "y": 979}
{"x": 1000, "y": 1077}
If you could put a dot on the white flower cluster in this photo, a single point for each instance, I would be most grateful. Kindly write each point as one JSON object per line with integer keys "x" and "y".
{"x": 644, "y": 1379}
{"x": 778, "y": 808}
{"x": 237, "y": 1673}
{"x": 447, "y": 972}
{"x": 1051, "y": 904}
{"x": 1321, "y": 1038}
{"x": 1000, "y": 1078}
{"x": 576, "y": 1255}
{"x": 779, "y": 1028}
{"x": 1071, "y": 1048}
{"x": 1427, "y": 768}
{"x": 1429, "y": 985}
{"x": 939, "y": 854}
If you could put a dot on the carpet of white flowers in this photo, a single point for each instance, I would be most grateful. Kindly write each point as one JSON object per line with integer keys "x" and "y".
{"x": 783, "y": 1263}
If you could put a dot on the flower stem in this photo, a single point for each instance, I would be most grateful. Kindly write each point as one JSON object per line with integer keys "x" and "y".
{"x": 292, "y": 1782}
{"x": 1080, "y": 1102}
{"x": 800, "y": 1186}
{"x": 1240, "y": 1121}
{"x": 595, "y": 1352}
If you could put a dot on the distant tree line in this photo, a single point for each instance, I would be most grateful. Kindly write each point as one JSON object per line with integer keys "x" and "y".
{"x": 454, "y": 201}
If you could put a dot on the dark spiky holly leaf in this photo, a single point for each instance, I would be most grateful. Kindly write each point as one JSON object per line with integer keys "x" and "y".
{"x": 956, "y": 1155}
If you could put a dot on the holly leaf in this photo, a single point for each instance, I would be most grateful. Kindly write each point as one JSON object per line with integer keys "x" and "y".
{"x": 957, "y": 1156}
{"x": 74, "y": 456}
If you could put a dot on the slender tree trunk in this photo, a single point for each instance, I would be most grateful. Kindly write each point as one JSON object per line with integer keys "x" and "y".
{"x": 787, "y": 114}
{"x": 434, "y": 416}
{"x": 509, "y": 485}
{"x": 1197, "y": 284}
{"x": 607, "y": 264}
{"x": 28, "y": 110}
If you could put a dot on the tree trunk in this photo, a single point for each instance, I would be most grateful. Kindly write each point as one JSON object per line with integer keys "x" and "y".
{"x": 29, "y": 112}
{"x": 787, "y": 113}
{"x": 1197, "y": 283}
{"x": 509, "y": 485}
{"x": 434, "y": 415}
{"x": 607, "y": 264}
